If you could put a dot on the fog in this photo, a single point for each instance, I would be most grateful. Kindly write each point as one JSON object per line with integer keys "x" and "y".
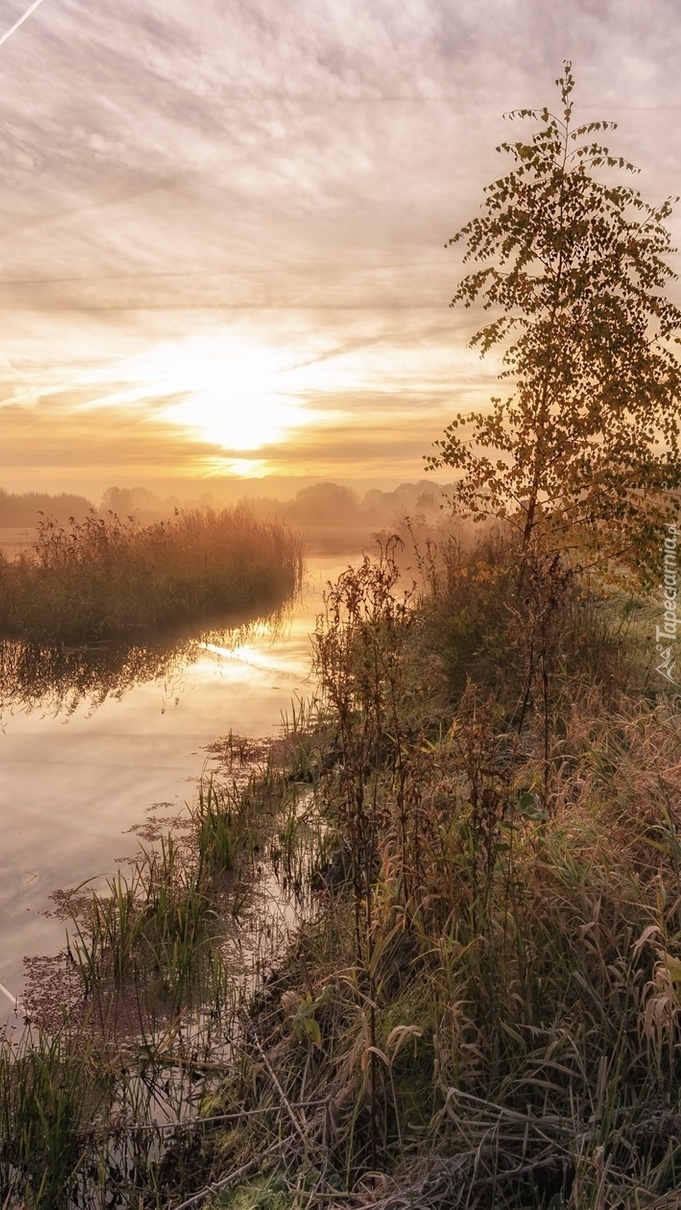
{"x": 319, "y": 505}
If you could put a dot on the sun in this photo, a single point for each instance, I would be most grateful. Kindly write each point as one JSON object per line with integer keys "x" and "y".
{"x": 234, "y": 417}
{"x": 235, "y": 402}
{"x": 240, "y": 399}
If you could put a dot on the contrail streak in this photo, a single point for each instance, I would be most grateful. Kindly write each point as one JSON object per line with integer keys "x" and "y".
{"x": 8, "y": 33}
{"x": 14, "y": 999}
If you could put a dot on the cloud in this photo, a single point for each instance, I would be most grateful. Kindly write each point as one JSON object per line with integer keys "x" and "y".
{"x": 283, "y": 175}
{"x": 52, "y": 437}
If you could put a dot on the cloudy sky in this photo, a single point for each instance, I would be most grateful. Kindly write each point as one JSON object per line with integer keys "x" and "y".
{"x": 224, "y": 220}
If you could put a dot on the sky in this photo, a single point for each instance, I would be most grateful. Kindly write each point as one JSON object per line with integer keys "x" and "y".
{"x": 224, "y": 222}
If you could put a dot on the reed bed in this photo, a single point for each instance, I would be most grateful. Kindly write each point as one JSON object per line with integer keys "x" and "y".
{"x": 105, "y": 577}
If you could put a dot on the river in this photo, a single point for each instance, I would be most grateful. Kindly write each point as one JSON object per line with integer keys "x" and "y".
{"x": 88, "y": 752}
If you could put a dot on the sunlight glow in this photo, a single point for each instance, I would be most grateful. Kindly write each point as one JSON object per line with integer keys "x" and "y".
{"x": 239, "y": 398}
{"x": 233, "y": 400}
{"x": 234, "y": 416}
{"x": 247, "y": 468}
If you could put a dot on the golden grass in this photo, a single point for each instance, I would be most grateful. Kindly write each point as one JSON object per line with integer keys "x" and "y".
{"x": 105, "y": 577}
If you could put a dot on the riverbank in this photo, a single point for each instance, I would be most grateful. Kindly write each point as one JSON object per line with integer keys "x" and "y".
{"x": 485, "y": 1011}
{"x": 125, "y": 1035}
{"x": 479, "y": 1006}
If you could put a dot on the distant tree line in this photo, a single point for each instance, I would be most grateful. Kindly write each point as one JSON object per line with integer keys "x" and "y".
{"x": 24, "y": 508}
{"x": 330, "y": 504}
{"x": 324, "y": 504}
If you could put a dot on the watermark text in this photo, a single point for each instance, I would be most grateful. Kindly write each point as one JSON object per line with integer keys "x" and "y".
{"x": 665, "y": 635}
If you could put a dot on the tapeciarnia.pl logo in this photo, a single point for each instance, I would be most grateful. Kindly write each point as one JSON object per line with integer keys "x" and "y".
{"x": 665, "y": 635}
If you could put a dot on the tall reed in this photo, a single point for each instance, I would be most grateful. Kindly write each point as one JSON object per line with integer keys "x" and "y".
{"x": 104, "y": 576}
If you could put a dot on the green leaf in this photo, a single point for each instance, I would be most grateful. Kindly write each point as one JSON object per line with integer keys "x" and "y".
{"x": 313, "y": 1031}
{"x": 529, "y": 807}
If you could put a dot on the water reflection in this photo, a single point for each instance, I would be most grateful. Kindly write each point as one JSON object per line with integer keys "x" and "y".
{"x": 57, "y": 680}
{"x": 74, "y": 780}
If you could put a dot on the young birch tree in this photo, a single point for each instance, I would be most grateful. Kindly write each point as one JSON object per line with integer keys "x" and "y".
{"x": 583, "y": 455}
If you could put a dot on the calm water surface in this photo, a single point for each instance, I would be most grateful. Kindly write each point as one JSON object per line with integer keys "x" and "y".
{"x": 77, "y": 772}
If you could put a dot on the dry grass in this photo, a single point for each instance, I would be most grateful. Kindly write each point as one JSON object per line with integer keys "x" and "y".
{"x": 498, "y": 980}
{"x": 104, "y": 577}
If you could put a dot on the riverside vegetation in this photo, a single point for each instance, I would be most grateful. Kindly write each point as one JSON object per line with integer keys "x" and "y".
{"x": 480, "y": 1005}
{"x": 104, "y": 577}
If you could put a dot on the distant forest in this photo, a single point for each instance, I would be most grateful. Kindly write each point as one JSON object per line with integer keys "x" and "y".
{"x": 322, "y": 504}
{"x": 23, "y": 508}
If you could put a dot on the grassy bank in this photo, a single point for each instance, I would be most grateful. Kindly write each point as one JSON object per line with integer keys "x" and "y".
{"x": 486, "y": 1009}
{"x": 482, "y": 1004}
{"x": 104, "y": 577}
